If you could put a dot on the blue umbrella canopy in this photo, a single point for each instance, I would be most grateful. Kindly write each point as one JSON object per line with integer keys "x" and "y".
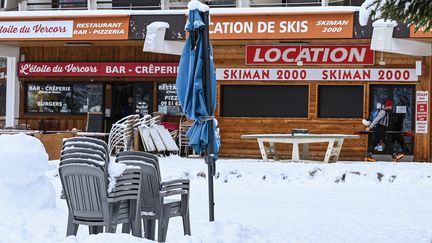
{"x": 191, "y": 89}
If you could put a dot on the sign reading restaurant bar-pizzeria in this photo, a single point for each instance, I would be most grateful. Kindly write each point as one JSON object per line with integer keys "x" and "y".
{"x": 328, "y": 74}
{"x": 92, "y": 28}
{"x": 309, "y": 54}
{"x": 282, "y": 26}
{"x": 106, "y": 69}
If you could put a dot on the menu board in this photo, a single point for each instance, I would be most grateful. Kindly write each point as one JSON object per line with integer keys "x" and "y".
{"x": 95, "y": 122}
{"x": 143, "y": 98}
{"x": 168, "y": 102}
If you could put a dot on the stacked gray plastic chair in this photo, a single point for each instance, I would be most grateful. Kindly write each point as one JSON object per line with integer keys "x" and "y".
{"x": 140, "y": 155}
{"x": 90, "y": 204}
{"x": 154, "y": 205}
{"x": 92, "y": 144}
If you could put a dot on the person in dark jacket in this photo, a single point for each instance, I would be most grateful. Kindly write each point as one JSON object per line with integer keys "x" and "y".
{"x": 379, "y": 126}
{"x": 128, "y": 109}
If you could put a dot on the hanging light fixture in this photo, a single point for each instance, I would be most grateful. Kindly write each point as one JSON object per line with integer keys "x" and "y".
{"x": 299, "y": 61}
{"x": 381, "y": 61}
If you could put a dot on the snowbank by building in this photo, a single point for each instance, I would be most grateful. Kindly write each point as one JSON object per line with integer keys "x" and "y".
{"x": 23, "y": 180}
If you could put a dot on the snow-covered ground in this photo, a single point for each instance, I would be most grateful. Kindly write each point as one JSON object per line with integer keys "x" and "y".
{"x": 255, "y": 201}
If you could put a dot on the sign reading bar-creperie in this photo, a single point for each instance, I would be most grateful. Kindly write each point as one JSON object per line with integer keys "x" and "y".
{"x": 115, "y": 28}
{"x": 330, "y": 74}
{"x": 309, "y": 55}
{"x": 282, "y": 26}
{"x": 99, "y": 69}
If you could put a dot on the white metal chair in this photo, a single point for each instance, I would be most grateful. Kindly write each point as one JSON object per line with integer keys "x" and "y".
{"x": 121, "y": 134}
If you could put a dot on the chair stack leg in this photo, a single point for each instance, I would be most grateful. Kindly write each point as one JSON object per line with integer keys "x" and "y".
{"x": 149, "y": 228}
{"x": 126, "y": 228}
{"x": 163, "y": 228}
{"x": 186, "y": 223}
{"x": 72, "y": 228}
{"x": 93, "y": 230}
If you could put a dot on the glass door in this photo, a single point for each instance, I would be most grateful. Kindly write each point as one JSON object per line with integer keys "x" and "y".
{"x": 403, "y": 97}
{"x": 132, "y": 99}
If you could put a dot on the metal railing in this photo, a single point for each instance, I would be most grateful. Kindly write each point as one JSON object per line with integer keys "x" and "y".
{"x": 53, "y": 5}
{"x": 128, "y": 4}
{"x": 169, "y": 4}
{"x": 295, "y": 3}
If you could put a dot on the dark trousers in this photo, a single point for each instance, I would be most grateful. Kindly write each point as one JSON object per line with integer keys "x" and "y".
{"x": 401, "y": 141}
{"x": 380, "y": 135}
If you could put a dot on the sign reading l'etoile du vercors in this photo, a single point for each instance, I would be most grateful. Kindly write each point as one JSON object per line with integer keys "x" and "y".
{"x": 97, "y": 69}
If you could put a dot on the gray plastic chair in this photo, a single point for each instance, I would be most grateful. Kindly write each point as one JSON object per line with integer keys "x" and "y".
{"x": 139, "y": 155}
{"x": 81, "y": 156}
{"x": 87, "y": 145}
{"x": 87, "y": 139}
{"x": 70, "y": 150}
{"x": 89, "y": 203}
{"x": 154, "y": 205}
{"x": 85, "y": 161}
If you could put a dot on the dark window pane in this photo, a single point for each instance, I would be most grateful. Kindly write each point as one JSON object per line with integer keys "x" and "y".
{"x": 51, "y": 98}
{"x": 144, "y": 98}
{"x": 87, "y": 98}
{"x": 168, "y": 102}
{"x": 2, "y": 99}
{"x": 340, "y": 101}
{"x": 136, "y": 4}
{"x": 73, "y": 4}
{"x": 264, "y": 100}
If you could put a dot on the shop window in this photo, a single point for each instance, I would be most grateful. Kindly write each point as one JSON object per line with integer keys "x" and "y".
{"x": 87, "y": 98}
{"x": 136, "y": 4}
{"x": 168, "y": 102}
{"x": 2, "y": 99}
{"x": 264, "y": 101}
{"x": 63, "y": 98}
{"x": 340, "y": 101}
{"x": 72, "y": 4}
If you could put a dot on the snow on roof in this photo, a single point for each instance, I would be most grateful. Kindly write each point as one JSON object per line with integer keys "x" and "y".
{"x": 221, "y": 11}
{"x": 158, "y": 25}
{"x": 195, "y": 4}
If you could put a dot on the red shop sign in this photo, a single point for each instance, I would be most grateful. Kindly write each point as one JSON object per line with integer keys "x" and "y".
{"x": 97, "y": 69}
{"x": 309, "y": 54}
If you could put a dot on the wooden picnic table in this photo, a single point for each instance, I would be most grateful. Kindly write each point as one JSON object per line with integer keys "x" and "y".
{"x": 335, "y": 142}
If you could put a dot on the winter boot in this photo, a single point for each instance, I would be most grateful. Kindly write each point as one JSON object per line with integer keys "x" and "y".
{"x": 396, "y": 156}
{"x": 369, "y": 158}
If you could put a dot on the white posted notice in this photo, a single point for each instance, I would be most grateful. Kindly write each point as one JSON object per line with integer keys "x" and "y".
{"x": 422, "y": 98}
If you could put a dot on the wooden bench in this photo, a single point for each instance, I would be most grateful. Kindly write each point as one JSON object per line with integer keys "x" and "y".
{"x": 334, "y": 141}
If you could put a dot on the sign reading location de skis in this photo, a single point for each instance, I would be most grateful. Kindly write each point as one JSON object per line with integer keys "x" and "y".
{"x": 309, "y": 55}
{"x": 317, "y": 25}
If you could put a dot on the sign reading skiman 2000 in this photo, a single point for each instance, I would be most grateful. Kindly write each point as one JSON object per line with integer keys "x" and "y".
{"x": 316, "y": 74}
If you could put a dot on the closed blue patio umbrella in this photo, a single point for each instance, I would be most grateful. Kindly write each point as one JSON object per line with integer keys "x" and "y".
{"x": 196, "y": 90}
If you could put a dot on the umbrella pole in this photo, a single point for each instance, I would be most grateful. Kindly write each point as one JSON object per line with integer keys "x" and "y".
{"x": 206, "y": 75}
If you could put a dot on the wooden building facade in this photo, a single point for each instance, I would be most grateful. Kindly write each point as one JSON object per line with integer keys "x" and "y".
{"x": 276, "y": 70}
